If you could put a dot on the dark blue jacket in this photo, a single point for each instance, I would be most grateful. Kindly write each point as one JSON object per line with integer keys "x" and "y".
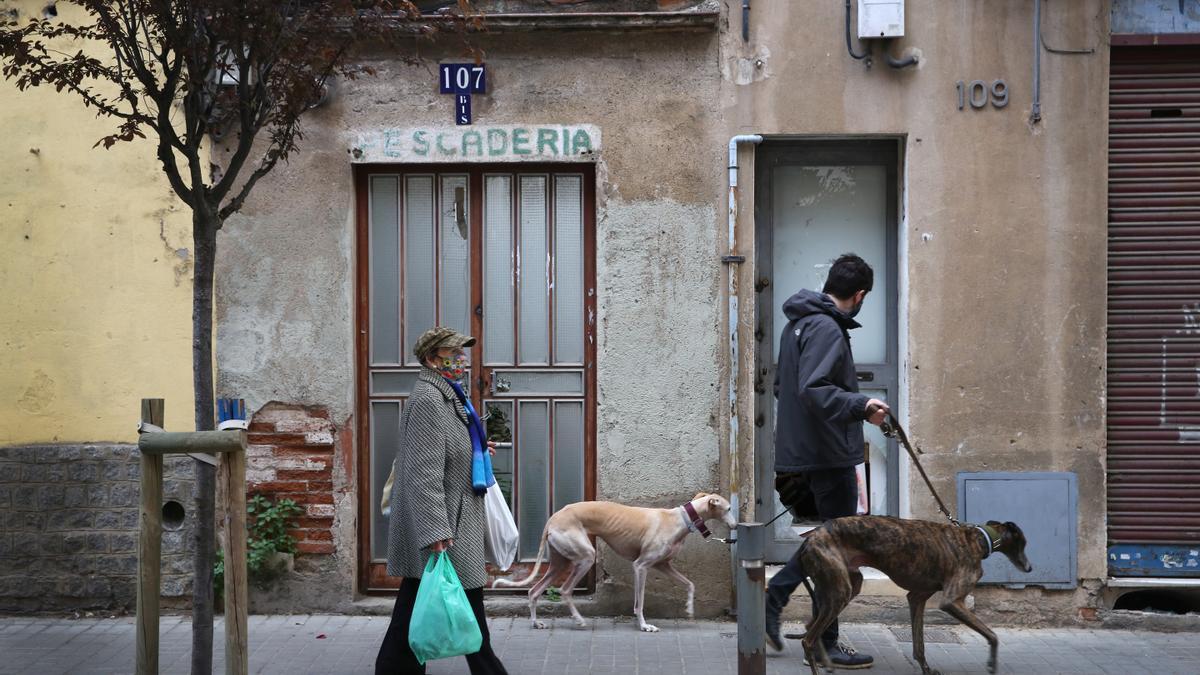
{"x": 818, "y": 423}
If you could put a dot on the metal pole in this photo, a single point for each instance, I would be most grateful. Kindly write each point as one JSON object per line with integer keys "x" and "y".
{"x": 1035, "y": 114}
{"x": 751, "y": 599}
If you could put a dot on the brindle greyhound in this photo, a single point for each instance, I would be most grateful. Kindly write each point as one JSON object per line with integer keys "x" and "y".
{"x": 919, "y": 556}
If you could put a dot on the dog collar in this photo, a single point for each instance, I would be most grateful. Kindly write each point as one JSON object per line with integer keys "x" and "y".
{"x": 694, "y": 521}
{"x": 991, "y": 541}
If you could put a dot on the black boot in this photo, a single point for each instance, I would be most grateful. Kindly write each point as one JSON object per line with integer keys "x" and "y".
{"x": 772, "y": 624}
{"x": 844, "y": 656}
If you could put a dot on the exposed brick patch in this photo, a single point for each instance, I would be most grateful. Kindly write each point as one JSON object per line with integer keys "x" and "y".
{"x": 315, "y": 548}
{"x": 290, "y": 455}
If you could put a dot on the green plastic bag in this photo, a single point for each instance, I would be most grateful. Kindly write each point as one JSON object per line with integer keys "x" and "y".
{"x": 442, "y": 624}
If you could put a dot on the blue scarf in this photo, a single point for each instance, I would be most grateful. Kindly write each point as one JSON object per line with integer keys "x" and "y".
{"x": 481, "y": 460}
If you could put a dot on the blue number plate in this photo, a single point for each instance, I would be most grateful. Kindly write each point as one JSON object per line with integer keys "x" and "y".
{"x": 462, "y": 78}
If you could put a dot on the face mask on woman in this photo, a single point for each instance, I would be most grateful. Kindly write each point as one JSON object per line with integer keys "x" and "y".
{"x": 454, "y": 367}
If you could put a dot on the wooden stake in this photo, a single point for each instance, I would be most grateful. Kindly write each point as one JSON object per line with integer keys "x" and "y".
{"x": 181, "y": 442}
{"x": 149, "y": 547}
{"x": 231, "y": 487}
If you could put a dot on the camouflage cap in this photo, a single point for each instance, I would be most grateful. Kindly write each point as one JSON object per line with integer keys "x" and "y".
{"x": 438, "y": 337}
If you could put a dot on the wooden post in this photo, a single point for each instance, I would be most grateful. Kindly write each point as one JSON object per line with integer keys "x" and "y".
{"x": 149, "y": 547}
{"x": 231, "y": 484}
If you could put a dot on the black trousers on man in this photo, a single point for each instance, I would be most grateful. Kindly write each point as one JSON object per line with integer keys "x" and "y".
{"x": 397, "y": 658}
{"x": 831, "y": 493}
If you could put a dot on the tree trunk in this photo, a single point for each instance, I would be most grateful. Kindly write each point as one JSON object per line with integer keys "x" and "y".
{"x": 204, "y": 239}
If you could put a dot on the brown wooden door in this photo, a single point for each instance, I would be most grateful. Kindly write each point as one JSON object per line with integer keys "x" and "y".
{"x": 504, "y": 253}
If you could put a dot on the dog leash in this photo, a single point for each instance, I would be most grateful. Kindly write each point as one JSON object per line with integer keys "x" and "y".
{"x": 892, "y": 429}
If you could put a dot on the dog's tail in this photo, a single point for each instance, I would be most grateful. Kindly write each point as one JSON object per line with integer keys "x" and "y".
{"x": 508, "y": 583}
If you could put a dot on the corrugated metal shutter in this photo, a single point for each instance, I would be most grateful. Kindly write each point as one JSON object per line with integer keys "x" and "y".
{"x": 1154, "y": 299}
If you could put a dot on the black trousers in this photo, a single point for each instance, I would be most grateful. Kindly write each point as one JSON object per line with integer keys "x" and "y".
{"x": 834, "y": 493}
{"x": 397, "y": 658}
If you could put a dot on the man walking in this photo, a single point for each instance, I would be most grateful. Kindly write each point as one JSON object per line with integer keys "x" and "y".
{"x": 818, "y": 433}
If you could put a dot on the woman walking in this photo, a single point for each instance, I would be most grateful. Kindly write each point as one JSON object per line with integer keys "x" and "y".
{"x": 434, "y": 506}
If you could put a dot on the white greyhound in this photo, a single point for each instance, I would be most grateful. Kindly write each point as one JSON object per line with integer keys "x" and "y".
{"x": 648, "y": 537}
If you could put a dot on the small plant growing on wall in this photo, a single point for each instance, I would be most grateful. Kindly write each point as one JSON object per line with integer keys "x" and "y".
{"x": 268, "y": 544}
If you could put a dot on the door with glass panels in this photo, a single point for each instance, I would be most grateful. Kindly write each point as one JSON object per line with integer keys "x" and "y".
{"x": 818, "y": 200}
{"x": 505, "y": 254}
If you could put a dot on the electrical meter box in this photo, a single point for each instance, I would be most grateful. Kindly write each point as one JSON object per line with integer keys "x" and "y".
{"x": 880, "y": 19}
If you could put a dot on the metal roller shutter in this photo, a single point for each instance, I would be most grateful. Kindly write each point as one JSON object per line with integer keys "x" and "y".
{"x": 1154, "y": 312}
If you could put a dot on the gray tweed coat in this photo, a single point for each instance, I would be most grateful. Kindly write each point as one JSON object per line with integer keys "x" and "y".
{"x": 432, "y": 498}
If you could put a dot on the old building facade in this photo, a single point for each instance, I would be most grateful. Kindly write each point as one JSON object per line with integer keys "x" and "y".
{"x": 641, "y": 186}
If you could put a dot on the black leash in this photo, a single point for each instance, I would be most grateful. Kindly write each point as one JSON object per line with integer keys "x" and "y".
{"x": 892, "y": 429}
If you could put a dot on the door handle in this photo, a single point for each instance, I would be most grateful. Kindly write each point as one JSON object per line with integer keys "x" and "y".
{"x": 499, "y": 384}
{"x": 867, "y": 376}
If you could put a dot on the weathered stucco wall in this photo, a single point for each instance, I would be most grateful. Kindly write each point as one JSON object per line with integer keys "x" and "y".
{"x": 1003, "y": 225}
{"x": 286, "y": 274}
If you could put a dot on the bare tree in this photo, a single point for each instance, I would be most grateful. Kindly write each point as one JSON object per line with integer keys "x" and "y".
{"x": 180, "y": 71}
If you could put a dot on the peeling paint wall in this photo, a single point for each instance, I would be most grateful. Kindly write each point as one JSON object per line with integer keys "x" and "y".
{"x": 286, "y": 271}
{"x": 1003, "y": 225}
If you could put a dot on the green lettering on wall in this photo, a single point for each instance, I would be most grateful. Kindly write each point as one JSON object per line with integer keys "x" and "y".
{"x": 420, "y": 143}
{"x": 520, "y": 142}
{"x": 391, "y": 143}
{"x": 547, "y": 137}
{"x": 472, "y": 139}
{"x": 497, "y": 142}
{"x": 581, "y": 142}
{"x": 449, "y": 152}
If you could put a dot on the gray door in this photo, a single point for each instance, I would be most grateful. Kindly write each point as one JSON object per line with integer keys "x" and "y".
{"x": 815, "y": 201}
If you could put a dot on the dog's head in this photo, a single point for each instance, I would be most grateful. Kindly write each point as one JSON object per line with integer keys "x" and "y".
{"x": 714, "y": 506}
{"x": 1012, "y": 544}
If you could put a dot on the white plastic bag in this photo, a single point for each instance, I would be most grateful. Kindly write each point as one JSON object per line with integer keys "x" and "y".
{"x": 864, "y": 499}
{"x": 500, "y": 542}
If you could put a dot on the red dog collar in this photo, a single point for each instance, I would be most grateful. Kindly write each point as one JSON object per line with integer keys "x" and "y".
{"x": 695, "y": 522}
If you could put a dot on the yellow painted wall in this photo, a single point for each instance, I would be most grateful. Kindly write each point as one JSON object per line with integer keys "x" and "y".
{"x": 95, "y": 275}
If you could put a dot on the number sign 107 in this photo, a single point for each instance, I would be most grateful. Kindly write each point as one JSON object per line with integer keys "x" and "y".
{"x": 462, "y": 78}
{"x": 977, "y": 93}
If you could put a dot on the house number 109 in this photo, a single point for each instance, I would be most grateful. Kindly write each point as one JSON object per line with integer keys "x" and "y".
{"x": 977, "y": 93}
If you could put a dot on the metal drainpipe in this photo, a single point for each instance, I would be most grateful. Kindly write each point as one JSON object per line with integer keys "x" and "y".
{"x": 1035, "y": 114}
{"x": 732, "y": 261}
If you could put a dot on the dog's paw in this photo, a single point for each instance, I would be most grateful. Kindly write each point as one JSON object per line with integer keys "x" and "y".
{"x": 540, "y": 625}
{"x": 581, "y": 623}
{"x": 647, "y": 628}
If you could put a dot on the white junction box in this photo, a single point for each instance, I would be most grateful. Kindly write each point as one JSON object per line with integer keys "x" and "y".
{"x": 880, "y": 19}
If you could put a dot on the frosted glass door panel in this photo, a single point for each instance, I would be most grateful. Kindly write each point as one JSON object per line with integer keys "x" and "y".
{"x": 385, "y": 426}
{"x": 393, "y": 383}
{"x": 456, "y": 254}
{"x": 533, "y": 272}
{"x": 420, "y": 295}
{"x": 533, "y": 468}
{"x": 821, "y": 212}
{"x": 499, "y": 339}
{"x": 568, "y": 270}
{"x": 878, "y": 467}
{"x": 568, "y": 453}
{"x": 541, "y": 383}
{"x": 385, "y": 274}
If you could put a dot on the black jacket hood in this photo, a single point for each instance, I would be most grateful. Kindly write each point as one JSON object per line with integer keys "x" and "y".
{"x": 806, "y": 302}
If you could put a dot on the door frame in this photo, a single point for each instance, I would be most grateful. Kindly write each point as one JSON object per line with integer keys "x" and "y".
{"x": 878, "y": 151}
{"x": 370, "y": 580}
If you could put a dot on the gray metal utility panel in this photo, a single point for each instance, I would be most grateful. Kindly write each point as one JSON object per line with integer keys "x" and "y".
{"x": 1044, "y": 505}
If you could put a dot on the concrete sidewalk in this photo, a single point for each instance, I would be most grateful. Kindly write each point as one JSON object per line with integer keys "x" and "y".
{"x": 347, "y": 644}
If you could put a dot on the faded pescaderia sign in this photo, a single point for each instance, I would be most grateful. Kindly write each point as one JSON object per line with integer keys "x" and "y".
{"x": 550, "y": 142}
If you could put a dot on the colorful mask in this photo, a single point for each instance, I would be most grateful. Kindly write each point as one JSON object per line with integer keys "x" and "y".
{"x": 454, "y": 367}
